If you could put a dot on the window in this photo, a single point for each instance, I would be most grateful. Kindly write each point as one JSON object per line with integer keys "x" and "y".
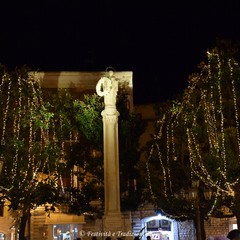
{"x": 65, "y": 231}
{"x": 2, "y": 236}
{"x": 162, "y": 224}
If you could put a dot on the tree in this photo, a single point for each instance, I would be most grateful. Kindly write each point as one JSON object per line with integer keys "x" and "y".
{"x": 131, "y": 127}
{"x": 89, "y": 151}
{"x": 198, "y": 138}
{"x": 37, "y": 131}
{"x": 213, "y": 129}
{"x": 28, "y": 145}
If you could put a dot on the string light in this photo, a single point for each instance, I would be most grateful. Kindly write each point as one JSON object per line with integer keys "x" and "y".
{"x": 235, "y": 102}
{"x": 203, "y": 102}
{"x": 25, "y": 124}
{"x": 5, "y": 112}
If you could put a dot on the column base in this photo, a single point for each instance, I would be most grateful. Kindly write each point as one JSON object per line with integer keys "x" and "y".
{"x": 117, "y": 226}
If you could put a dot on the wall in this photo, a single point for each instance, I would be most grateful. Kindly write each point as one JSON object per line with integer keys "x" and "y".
{"x": 218, "y": 226}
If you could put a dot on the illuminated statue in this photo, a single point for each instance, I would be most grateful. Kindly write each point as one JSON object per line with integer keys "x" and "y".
{"x": 108, "y": 88}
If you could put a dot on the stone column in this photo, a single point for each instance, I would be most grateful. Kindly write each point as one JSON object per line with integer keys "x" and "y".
{"x": 111, "y": 163}
{"x": 113, "y": 221}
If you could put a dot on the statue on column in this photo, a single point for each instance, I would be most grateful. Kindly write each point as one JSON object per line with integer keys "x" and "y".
{"x": 113, "y": 220}
{"x": 108, "y": 87}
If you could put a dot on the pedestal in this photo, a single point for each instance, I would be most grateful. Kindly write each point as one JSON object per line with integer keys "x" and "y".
{"x": 118, "y": 226}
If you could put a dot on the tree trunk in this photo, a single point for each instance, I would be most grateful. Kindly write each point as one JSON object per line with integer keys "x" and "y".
{"x": 203, "y": 232}
{"x": 199, "y": 225}
{"x": 22, "y": 227}
{"x": 23, "y": 224}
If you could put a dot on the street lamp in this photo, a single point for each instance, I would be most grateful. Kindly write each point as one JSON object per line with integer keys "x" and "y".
{"x": 194, "y": 196}
{"x": 207, "y": 193}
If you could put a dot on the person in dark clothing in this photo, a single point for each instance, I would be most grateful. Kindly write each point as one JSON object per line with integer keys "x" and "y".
{"x": 234, "y": 234}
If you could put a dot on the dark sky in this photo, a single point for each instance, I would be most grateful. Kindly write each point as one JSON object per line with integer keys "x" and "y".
{"x": 160, "y": 41}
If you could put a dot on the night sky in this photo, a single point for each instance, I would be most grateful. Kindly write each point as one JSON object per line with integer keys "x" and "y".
{"x": 162, "y": 42}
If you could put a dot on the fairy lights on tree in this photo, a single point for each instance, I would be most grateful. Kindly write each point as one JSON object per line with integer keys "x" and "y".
{"x": 32, "y": 146}
{"x": 47, "y": 137}
{"x": 198, "y": 138}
